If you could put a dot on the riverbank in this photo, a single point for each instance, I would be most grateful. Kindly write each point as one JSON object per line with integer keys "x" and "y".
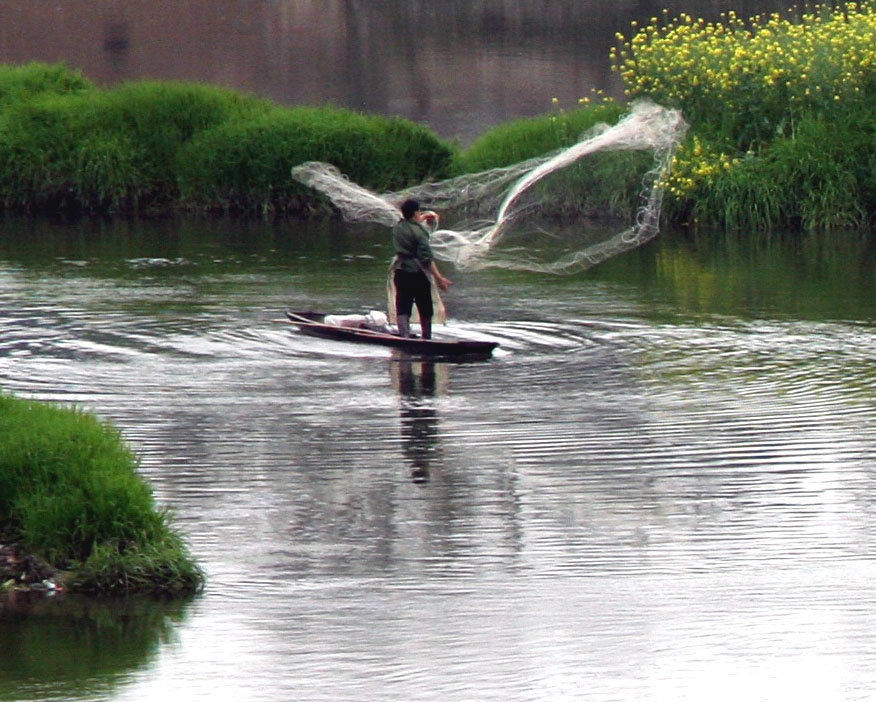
{"x": 75, "y": 514}
{"x": 782, "y": 113}
{"x": 23, "y": 572}
{"x": 157, "y": 147}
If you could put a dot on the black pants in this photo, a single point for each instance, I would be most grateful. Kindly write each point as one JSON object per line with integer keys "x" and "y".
{"x": 413, "y": 288}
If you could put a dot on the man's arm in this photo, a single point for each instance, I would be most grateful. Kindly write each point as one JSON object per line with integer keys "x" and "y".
{"x": 442, "y": 282}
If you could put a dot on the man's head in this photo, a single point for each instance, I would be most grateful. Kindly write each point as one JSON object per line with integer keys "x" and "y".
{"x": 409, "y": 208}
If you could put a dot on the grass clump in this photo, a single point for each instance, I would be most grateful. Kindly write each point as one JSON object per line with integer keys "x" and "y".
{"x": 20, "y": 83}
{"x": 522, "y": 139}
{"x": 105, "y": 151}
{"x": 243, "y": 165}
{"x": 157, "y": 146}
{"x": 822, "y": 178}
{"x": 70, "y": 494}
{"x": 606, "y": 184}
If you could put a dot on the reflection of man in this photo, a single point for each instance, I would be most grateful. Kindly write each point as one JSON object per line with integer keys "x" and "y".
{"x": 419, "y": 421}
{"x": 414, "y": 271}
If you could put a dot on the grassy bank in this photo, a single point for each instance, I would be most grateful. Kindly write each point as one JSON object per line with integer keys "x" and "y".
{"x": 70, "y": 495}
{"x": 783, "y": 115}
{"x": 66, "y": 145}
{"x": 603, "y": 185}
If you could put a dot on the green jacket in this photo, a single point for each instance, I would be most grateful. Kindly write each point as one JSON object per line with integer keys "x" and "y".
{"x": 411, "y": 242}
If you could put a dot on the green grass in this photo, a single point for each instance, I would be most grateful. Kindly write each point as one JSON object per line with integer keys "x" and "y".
{"x": 70, "y": 493}
{"x": 106, "y": 151}
{"x": 522, "y": 139}
{"x": 604, "y": 185}
{"x": 761, "y": 154}
{"x": 820, "y": 178}
{"x": 20, "y": 83}
{"x": 158, "y": 146}
{"x": 244, "y": 164}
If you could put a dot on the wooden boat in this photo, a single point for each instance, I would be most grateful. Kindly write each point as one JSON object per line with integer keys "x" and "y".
{"x": 313, "y": 324}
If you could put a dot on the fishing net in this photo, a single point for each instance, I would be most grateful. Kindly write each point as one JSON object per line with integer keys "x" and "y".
{"x": 508, "y": 217}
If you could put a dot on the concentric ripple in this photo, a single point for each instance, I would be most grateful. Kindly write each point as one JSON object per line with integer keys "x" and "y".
{"x": 613, "y": 501}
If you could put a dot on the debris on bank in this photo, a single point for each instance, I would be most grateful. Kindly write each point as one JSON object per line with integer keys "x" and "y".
{"x": 26, "y": 573}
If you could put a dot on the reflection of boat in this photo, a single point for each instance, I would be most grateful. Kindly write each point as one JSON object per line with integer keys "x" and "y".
{"x": 313, "y": 324}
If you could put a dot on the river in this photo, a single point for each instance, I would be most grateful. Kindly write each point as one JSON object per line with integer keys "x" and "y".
{"x": 659, "y": 488}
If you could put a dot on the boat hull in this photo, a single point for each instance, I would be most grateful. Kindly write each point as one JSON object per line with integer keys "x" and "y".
{"x": 311, "y": 323}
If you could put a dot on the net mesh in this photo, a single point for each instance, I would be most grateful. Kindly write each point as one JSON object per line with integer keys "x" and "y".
{"x": 489, "y": 206}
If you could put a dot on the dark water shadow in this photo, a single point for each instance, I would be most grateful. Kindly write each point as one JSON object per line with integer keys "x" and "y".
{"x": 418, "y": 385}
{"x": 81, "y": 646}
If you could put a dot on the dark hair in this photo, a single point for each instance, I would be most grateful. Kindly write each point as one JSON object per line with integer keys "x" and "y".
{"x": 409, "y": 208}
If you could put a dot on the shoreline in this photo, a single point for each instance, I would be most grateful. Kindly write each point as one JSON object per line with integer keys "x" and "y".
{"x": 75, "y": 513}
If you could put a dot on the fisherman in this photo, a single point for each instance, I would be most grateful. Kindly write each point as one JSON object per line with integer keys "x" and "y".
{"x": 413, "y": 270}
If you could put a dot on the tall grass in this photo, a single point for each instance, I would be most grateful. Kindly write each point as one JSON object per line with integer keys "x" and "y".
{"x": 142, "y": 147}
{"x": 821, "y": 179}
{"x": 243, "y": 165}
{"x": 99, "y": 151}
{"x": 19, "y": 83}
{"x": 69, "y": 492}
{"x": 522, "y": 139}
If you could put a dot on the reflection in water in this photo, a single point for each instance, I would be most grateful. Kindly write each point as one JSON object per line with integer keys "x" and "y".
{"x": 660, "y": 490}
{"x": 417, "y": 384}
{"x": 78, "y": 648}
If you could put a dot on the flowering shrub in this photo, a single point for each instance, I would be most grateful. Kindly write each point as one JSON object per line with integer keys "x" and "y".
{"x": 696, "y": 166}
{"x": 751, "y": 80}
{"x": 781, "y": 110}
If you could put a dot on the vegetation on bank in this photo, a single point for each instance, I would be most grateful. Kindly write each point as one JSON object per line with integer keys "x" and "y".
{"x": 782, "y": 109}
{"x": 782, "y": 113}
{"x": 607, "y": 184}
{"x": 66, "y": 145}
{"x": 71, "y": 497}
{"x": 150, "y": 147}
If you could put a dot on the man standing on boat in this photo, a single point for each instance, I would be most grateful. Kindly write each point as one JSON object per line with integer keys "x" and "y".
{"x": 414, "y": 275}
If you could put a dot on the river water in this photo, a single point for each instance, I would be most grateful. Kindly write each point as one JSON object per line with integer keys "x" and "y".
{"x": 660, "y": 487}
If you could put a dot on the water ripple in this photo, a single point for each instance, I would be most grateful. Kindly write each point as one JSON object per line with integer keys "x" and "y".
{"x": 601, "y": 492}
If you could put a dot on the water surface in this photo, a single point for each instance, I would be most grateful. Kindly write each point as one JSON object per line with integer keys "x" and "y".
{"x": 660, "y": 488}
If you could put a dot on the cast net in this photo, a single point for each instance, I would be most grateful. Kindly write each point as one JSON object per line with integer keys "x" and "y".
{"x": 518, "y": 217}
